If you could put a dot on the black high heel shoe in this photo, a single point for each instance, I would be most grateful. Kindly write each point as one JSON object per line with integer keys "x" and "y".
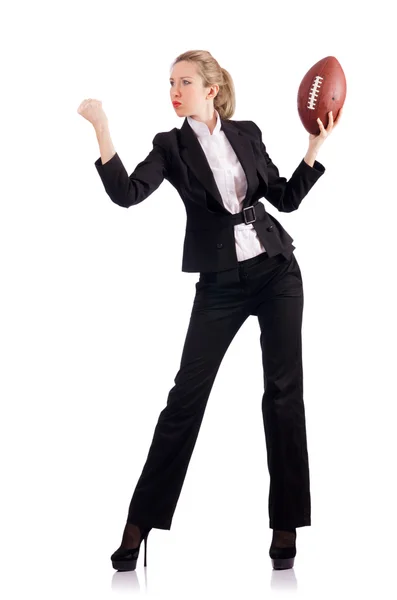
{"x": 283, "y": 549}
{"x": 126, "y": 556}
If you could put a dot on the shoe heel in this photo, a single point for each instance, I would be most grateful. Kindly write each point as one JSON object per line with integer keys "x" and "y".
{"x": 146, "y": 536}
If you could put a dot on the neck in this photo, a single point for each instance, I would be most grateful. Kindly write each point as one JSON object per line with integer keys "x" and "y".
{"x": 209, "y": 119}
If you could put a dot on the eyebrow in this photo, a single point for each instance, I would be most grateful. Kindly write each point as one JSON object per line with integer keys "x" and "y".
{"x": 183, "y": 77}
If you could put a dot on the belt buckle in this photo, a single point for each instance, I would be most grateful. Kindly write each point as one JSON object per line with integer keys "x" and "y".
{"x": 247, "y": 208}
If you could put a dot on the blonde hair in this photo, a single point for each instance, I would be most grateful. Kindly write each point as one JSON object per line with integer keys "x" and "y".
{"x": 213, "y": 74}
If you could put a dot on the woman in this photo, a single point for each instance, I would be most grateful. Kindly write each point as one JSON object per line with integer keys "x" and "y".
{"x": 245, "y": 258}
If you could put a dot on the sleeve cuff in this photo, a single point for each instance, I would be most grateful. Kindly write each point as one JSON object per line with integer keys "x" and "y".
{"x": 317, "y": 166}
{"x": 110, "y": 163}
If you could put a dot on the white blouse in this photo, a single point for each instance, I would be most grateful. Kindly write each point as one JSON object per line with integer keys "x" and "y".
{"x": 231, "y": 181}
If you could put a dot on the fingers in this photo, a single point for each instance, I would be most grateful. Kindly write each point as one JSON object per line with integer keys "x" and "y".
{"x": 339, "y": 116}
{"x": 331, "y": 123}
{"x": 320, "y": 123}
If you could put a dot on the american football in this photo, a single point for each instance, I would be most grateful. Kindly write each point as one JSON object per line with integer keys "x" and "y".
{"x": 322, "y": 89}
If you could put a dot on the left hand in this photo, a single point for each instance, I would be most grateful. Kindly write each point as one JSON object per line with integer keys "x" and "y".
{"x": 315, "y": 141}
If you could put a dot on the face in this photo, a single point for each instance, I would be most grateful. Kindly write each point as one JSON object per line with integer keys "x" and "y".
{"x": 187, "y": 88}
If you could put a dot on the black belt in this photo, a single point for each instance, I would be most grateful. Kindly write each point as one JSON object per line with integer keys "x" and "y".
{"x": 247, "y": 215}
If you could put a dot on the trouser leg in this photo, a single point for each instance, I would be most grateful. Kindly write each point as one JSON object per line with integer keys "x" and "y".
{"x": 280, "y": 320}
{"x": 215, "y": 319}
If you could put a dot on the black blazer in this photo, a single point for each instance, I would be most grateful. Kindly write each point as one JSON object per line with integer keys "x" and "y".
{"x": 178, "y": 157}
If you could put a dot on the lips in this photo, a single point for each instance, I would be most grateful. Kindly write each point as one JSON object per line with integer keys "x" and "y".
{"x": 176, "y": 104}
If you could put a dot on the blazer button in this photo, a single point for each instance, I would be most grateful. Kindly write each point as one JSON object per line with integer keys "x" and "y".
{"x": 219, "y": 245}
{"x": 269, "y": 228}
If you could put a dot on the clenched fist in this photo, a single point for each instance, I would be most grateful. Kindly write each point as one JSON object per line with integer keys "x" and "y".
{"x": 92, "y": 110}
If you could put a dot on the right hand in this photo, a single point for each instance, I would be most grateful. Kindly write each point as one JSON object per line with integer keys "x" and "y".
{"x": 92, "y": 110}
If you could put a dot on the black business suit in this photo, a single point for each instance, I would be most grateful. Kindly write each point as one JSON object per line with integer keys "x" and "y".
{"x": 268, "y": 286}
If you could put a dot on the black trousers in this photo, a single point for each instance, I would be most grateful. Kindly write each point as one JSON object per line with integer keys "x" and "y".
{"x": 271, "y": 289}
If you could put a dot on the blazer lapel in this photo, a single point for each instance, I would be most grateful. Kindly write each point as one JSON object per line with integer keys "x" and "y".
{"x": 194, "y": 156}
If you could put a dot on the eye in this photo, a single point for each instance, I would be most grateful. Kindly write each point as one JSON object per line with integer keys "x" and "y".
{"x": 184, "y": 81}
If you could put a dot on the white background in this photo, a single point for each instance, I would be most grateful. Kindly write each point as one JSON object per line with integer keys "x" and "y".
{"x": 95, "y": 307}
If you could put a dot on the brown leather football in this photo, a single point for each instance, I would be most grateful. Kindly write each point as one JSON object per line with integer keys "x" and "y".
{"x": 322, "y": 89}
